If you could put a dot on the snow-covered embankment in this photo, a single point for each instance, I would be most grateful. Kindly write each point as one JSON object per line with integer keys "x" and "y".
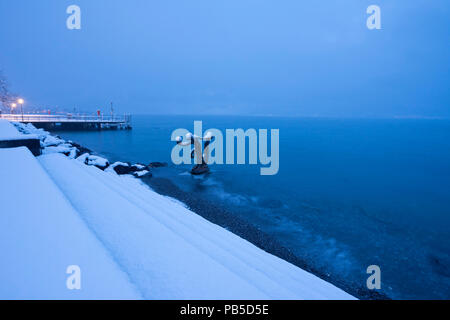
{"x": 165, "y": 250}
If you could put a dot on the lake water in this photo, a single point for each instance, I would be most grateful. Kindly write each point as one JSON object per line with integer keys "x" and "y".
{"x": 350, "y": 193}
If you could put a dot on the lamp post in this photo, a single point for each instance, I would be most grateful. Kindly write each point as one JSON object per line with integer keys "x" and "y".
{"x": 20, "y": 101}
{"x": 13, "y": 106}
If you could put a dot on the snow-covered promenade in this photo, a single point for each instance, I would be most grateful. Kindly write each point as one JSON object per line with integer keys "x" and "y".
{"x": 128, "y": 241}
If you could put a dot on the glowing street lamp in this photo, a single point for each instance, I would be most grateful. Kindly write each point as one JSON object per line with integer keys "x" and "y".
{"x": 20, "y": 101}
{"x": 13, "y": 106}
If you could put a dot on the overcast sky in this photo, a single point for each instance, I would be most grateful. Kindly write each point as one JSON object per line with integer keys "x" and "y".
{"x": 279, "y": 57}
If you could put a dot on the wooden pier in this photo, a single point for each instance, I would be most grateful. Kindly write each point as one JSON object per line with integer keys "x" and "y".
{"x": 72, "y": 122}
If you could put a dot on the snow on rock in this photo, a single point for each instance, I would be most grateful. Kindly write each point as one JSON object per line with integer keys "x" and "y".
{"x": 168, "y": 251}
{"x": 139, "y": 166}
{"x": 118, "y": 163}
{"x": 54, "y": 144}
{"x": 73, "y": 153}
{"x": 92, "y": 160}
{"x": 97, "y": 161}
{"x": 62, "y": 148}
{"x": 41, "y": 235}
{"x": 50, "y": 140}
{"x": 49, "y": 143}
{"x": 138, "y": 170}
{"x": 30, "y": 129}
{"x": 142, "y": 173}
{"x": 46, "y": 139}
{"x": 83, "y": 158}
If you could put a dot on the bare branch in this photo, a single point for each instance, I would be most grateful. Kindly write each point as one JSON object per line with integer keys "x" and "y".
{"x": 6, "y": 97}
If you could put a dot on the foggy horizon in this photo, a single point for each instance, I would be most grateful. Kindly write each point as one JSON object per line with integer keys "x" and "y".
{"x": 230, "y": 58}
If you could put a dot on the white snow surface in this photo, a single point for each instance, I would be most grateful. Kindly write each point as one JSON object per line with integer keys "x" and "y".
{"x": 50, "y": 140}
{"x": 41, "y": 234}
{"x": 118, "y": 163}
{"x": 141, "y": 173}
{"x": 97, "y": 161}
{"x": 62, "y": 148}
{"x": 30, "y": 129}
{"x": 9, "y": 132}
{"x": 168, "y": 251}
{"x": 82, "y": 158}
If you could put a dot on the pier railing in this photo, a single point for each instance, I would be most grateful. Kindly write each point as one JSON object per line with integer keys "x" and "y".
{"x": 106, "y": 119}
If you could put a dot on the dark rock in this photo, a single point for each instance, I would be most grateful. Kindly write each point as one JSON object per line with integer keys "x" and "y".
{"x": 102, "y": 167}
{"x": 97, "y": 161}
{"x": 200, "y": 169}
{"x": 121, "y": 169}
{"x": 157, "y": 164}
{"x": 440, "y": 266}
{"x": 80, "y": 149}
{"x": 130, "y": 169}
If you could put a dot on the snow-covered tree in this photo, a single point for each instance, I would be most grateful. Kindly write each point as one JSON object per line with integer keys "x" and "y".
{"x": 6, "y": 97}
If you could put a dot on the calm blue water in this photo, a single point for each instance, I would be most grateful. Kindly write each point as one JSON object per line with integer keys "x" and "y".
{"x": 349, "y": 193}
